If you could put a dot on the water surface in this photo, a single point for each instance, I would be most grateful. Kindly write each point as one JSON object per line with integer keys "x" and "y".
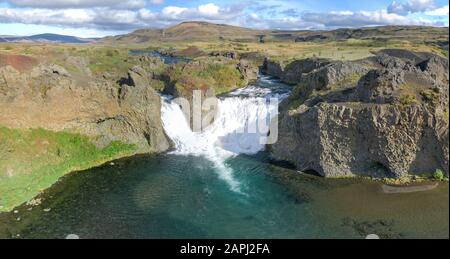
{"x": 171, "y": 196}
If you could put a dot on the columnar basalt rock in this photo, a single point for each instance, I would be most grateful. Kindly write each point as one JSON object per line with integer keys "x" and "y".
{"x": 393, "y": 122}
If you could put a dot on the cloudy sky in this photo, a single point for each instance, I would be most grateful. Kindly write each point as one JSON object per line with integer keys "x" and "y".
{"x": 96, "y": 18}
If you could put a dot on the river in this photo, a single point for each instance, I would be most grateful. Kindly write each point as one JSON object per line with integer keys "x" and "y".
{"x": 221, "y": 184}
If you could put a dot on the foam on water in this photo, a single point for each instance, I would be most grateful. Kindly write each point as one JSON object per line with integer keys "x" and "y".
{"x": 236, "y": 129}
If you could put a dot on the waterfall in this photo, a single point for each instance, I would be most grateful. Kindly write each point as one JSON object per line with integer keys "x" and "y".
{"x": 236, "y": 129}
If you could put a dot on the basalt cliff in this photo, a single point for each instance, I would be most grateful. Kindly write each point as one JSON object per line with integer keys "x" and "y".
{"x": 48, "y": 96}
{"x": 383, "y": 116}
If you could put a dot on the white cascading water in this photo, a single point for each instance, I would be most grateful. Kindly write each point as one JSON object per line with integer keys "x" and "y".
{"x": 230, "y": 133}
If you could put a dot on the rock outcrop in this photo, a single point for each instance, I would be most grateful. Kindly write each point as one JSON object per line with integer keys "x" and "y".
{"x": 294, "y": 71}
{"x": 49, "y": 97}
{"x": 326, "y": 73}
{"x": 248, "y": 71}
{"x": 392, "y": 122}
{"x": 273, "y": 68}
{"x": 226, "y": 54}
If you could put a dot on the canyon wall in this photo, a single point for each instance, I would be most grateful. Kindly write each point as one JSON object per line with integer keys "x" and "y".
{"x": 48, "y": 96}
{"x": 384, "y": 116}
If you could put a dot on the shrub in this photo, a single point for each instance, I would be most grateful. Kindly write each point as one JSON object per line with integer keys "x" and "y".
{"x": 439, "y": 175}
{"x": 430, "y": 95}
{"x": 109, "y": 53}
{"x": 407, "y": 100}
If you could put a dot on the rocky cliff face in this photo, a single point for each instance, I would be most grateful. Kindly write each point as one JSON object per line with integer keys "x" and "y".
{"x": 390, "y": 122}
{"x": 248, "y": 71}
{"x": 273, "y": 68}
{"x": 293, "y": 72}
{"x": 49, "y": 97}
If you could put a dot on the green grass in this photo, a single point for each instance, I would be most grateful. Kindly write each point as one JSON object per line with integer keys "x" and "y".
{"x": 205, "y": 74}
{"x": 107, "y": 60}
{"x": 407, "y": 100}
{"x": 349, "y": 81}
{"x": 33, "y": 160}
{"x": 430, "y": 95}
{"x": 302, "y": 92}
{"x": 446, "y": 115}
{"x": 439, "y": 175}
{"x": 225, "y": 77}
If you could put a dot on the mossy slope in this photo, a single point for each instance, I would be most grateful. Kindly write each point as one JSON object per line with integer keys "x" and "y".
{"x": 33, "y": 160}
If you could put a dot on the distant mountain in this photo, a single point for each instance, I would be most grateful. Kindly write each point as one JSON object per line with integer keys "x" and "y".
{"x": 47, "y": 37}
{"x": 191, "y": 31}
{"x": 203, "y": 31}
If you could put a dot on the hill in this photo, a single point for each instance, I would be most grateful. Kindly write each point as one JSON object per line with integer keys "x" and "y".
{"x": 188, "y": 31}
{"x": 203, "y": 31}
{"x": 47, "y": 37}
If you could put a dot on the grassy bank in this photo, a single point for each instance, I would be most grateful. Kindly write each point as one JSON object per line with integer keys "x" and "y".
{"x": 344, "y": 50}
{"x": 203, "y": 74}
{"x": 33, "y": 160}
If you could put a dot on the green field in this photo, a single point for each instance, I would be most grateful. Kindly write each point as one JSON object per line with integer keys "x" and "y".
{"x": 33, "y": 160}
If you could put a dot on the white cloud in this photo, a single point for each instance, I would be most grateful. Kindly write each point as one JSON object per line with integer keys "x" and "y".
{"x": 362, "y": 18}
{"x": 254, "y": 16}
{"x": 443, "y": 11}
{"x": 105, "y": 18}
{"x": 342, "y": 12}
{"x": 209, "y": 9}
{"x": 40, "y": 16}
{"x": 126, "y": 19}
{"x": 58, "y": 4}
{"x": 174, "y": 11}
{"x": 411, "y": 6}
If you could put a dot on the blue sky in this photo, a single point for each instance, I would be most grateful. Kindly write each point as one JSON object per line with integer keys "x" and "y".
{"x": 96, "y": 18}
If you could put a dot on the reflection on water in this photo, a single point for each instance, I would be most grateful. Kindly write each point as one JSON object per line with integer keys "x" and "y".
{"x": 172, "y": 196}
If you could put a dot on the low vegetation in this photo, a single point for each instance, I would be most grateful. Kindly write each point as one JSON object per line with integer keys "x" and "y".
{"x": 344, "y": 50}
{"x": 407, "y": 100}
{"x": 205, "y": 73}
{"x": 32, "y": 160}
{"x": 439, "y": 175}
{"x": 300, "y": 94}
{"x": 430, "y": 95}
{"x": 77, "y": 58}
